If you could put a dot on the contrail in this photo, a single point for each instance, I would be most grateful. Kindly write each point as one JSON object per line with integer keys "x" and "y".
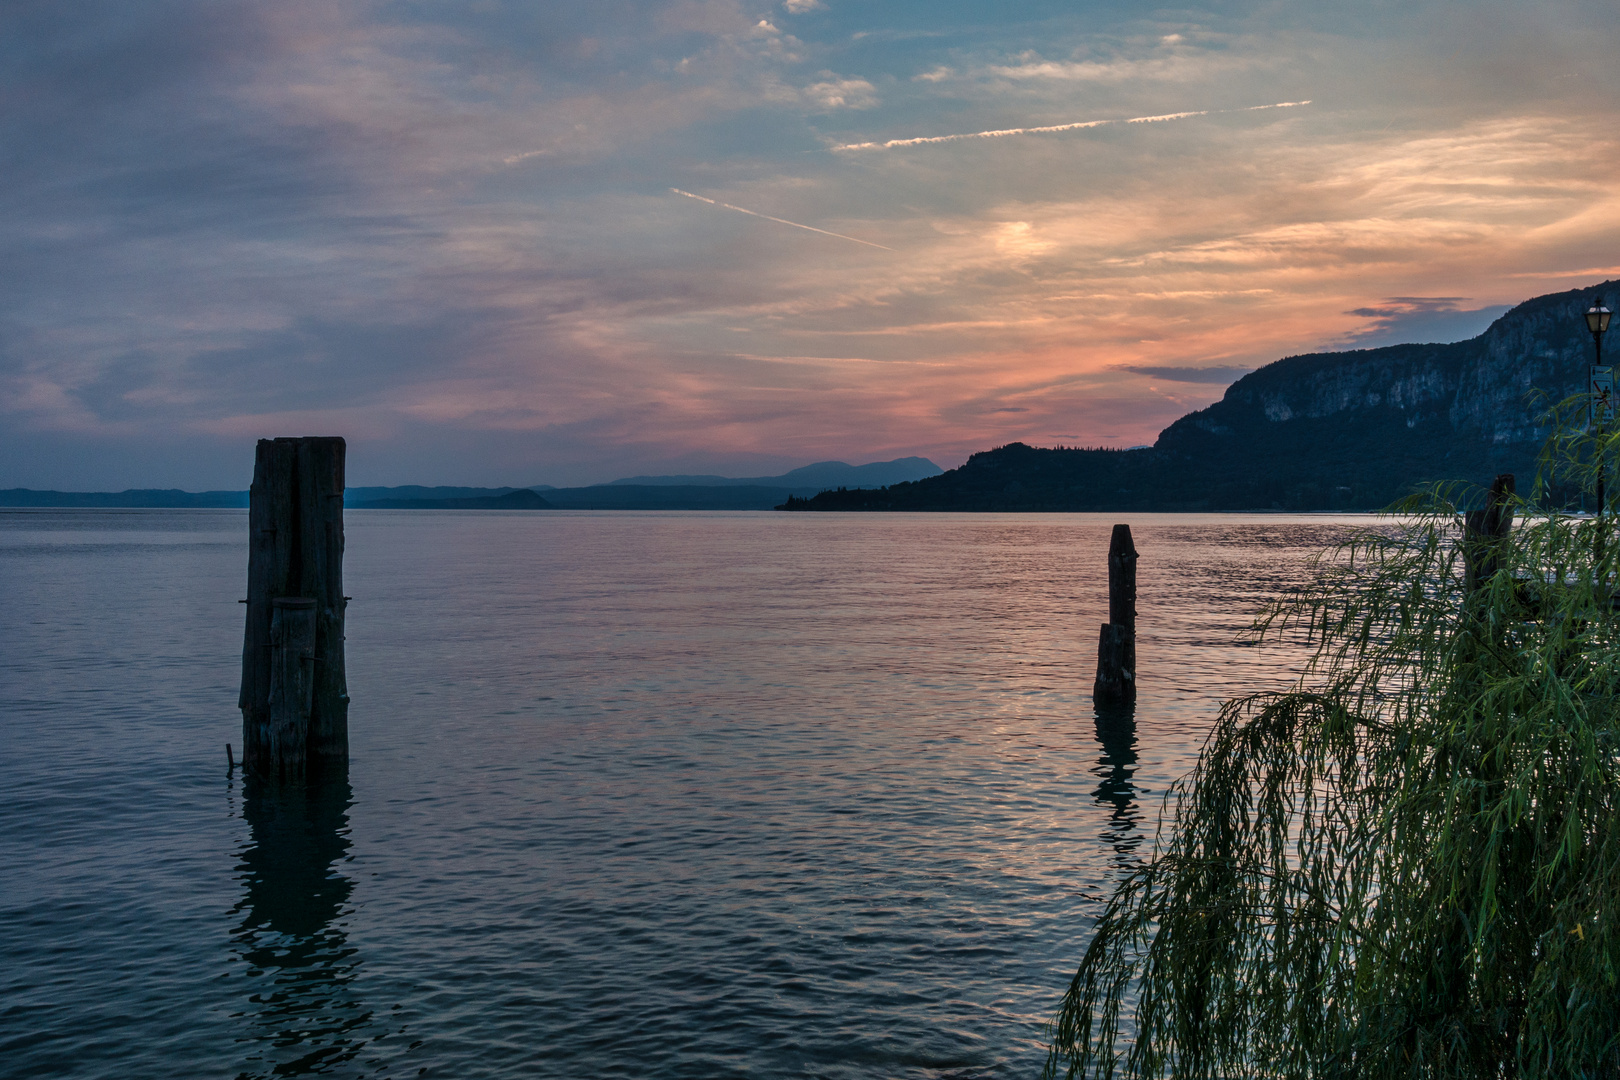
{"x": 896, "y": 143}
{"x": 781, "y": 221}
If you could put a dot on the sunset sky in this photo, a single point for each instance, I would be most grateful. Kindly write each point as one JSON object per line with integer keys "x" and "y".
{"x": 463, "y": 236}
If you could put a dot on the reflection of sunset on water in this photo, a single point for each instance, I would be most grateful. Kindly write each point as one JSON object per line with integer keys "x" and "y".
{"x": 815, "y": 794}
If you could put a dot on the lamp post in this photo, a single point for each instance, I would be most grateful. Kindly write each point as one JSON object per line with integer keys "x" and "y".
{"x": 1597, "y": 321}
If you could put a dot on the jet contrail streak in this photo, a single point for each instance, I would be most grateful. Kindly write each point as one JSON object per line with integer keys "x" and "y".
{"x": 780, "y": 221}
{"x": 896, "y": 143}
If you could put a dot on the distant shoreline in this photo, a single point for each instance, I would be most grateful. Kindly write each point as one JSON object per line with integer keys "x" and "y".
{"x": 570, "y": 510}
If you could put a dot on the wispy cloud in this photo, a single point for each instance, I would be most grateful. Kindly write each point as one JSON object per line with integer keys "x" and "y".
{"x": 834, "y": 92}
{"x": 1427, "y": 319}
{"x": 836, "y": 360}
{"x": 442, "y": 230}
{"x": 1079, "y": 125}
{"x": 779, "y": 221}
{"x": 1221, "y": 376}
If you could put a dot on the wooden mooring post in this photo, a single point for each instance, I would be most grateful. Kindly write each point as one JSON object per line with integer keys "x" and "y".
{"x": 1116, "y": 648}
{"x": 1484, "y": 530}
{"x": 295, "y": 699}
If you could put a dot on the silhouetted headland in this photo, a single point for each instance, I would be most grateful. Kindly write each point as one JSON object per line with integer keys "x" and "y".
{"x": 1325, "y": 431}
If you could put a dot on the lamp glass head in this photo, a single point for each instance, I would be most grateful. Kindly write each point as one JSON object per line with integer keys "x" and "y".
{"x": 1597, "y": 317}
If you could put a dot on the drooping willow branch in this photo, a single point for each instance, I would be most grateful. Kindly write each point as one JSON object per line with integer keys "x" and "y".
{"x": 1408, "y": 865}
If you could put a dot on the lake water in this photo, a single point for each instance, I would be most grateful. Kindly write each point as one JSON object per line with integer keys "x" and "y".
{"x": 631, "y": 794}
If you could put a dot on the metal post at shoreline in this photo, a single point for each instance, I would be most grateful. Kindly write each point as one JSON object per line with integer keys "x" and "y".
{"x": 1600, "y": 388}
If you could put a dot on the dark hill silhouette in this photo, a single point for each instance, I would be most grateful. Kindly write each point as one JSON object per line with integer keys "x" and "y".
{"x": 819, "y": 476}
{"x": 521, "y": 499}
{"x": 631, "y": 493}
{"x": 132, "y": 498}
{"x": 1324, "y": 431}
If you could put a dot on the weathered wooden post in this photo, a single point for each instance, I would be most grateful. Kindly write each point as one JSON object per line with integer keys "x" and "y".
{"x": 1484, "y": 530}
{"x": 292, "y": 682}
{"x": 1116, "y": 648}
{"x": 295, "y": 699}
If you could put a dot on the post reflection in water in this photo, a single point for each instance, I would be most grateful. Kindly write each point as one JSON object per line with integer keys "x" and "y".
{"x": 1116, "y": 731}
{"x": 303, "y": 1013}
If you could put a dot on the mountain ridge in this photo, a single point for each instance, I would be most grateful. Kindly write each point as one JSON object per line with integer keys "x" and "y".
{"x": 1347, "y": 430}
{"x": 630, "y": 493}
{"x": 825, "y": 474}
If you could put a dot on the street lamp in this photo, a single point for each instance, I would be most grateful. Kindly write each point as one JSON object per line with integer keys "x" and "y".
{"x": 1597, "y": 321}
{"x": 1601, "y": 383}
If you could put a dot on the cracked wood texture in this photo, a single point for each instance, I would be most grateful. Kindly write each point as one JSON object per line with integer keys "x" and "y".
{"x": 295, "y": 553}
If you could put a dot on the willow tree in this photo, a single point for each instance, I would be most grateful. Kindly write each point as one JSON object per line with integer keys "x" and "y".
{"x": 1408, "y": 865}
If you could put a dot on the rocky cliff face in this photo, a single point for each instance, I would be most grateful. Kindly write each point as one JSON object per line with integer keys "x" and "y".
{"x": 1541, "y": 344}
{"x": 1471, "y": 392}
{"x": 1326, "y": 431}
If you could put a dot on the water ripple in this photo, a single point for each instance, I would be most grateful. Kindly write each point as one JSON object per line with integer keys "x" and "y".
{"x": 683, "y": 795}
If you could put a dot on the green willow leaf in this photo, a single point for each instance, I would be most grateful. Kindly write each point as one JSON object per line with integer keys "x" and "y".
{"x": 1408, "y": 865}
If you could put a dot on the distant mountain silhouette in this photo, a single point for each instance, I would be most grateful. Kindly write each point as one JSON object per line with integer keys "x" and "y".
{"x": 521, "y": 499}
{"x": 1324, "y": 431}
{"x": 132, "y": 498}
{"x": 673, "y": 497}
{"x": 664, "y": 492}
{"x": 598, "y": 497}
{"x": 357, "y": 496}
{"x": 631, "y": 493}
{"x": 823, "y": 474}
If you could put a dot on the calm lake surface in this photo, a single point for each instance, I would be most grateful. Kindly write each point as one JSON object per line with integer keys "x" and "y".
{"x": 631, "y": 794}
